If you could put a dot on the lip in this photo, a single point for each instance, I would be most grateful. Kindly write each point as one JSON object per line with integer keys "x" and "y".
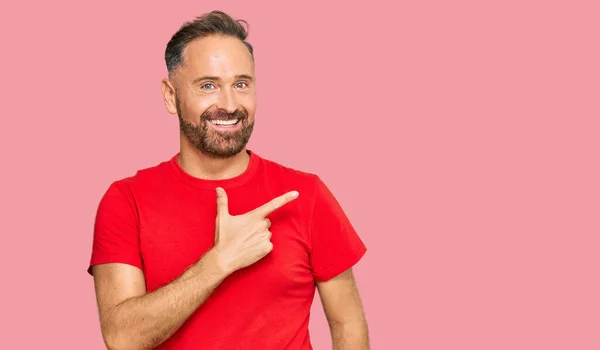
{"x": 226, "y": 128}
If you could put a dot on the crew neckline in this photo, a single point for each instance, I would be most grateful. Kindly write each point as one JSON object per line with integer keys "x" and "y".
{"x": 213, "y": 184}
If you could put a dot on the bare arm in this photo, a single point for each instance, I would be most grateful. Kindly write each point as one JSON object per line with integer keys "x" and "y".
{"x": 344, "y": 311}
{"x": 132, "y": 319}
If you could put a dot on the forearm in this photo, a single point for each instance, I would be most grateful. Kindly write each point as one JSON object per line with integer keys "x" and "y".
{"x": 146, "y": 321}
{"x": 350, "y": 335}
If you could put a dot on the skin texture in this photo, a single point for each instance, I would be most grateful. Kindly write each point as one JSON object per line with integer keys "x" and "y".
{"x": 215, "y": 81}
{"x": 344, "y": 311}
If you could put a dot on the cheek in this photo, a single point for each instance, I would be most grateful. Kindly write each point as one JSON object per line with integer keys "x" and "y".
{"x": 197, "y": 105}
{"x": 249, "y": 103}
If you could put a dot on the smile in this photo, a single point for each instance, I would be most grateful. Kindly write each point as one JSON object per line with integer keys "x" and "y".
{"x": 224, "y": 122}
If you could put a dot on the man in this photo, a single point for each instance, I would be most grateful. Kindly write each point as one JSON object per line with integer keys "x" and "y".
{"x": 217, "y": 247}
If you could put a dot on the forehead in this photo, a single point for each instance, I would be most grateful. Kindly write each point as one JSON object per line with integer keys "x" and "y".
{"x": 217, "y": 55}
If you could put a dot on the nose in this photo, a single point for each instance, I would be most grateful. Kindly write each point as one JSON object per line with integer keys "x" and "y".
{"x": 227, "y": 101}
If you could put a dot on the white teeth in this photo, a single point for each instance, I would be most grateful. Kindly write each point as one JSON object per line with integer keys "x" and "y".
{"x": 224, "y": 122}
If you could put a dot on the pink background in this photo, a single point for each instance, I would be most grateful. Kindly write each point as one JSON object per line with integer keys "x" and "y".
{"x": 461, "y": 137}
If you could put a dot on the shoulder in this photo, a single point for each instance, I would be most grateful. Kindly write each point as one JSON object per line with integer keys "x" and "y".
{"x": 143, "y": 178}
{"x": 291, "y": 176}
{"x": 313, "y": 189}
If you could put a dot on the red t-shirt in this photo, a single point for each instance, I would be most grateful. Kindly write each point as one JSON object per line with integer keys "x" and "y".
{"x": 162, "y": 220}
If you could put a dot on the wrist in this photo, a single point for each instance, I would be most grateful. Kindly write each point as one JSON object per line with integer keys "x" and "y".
{"x": 218, "y": 263}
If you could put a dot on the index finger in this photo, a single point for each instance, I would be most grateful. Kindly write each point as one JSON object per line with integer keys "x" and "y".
{"x": 275, "y": 203}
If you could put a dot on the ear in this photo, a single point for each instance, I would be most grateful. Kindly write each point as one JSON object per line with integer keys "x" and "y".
{"x": 169, "y": 96}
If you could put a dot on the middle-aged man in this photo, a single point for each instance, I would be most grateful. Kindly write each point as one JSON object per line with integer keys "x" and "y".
{"x": 217, "y": 247}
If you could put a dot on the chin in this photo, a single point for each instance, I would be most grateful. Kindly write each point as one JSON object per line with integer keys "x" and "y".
{"x": 221, "y": 152}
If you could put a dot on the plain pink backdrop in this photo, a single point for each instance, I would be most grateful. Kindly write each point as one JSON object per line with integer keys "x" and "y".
{"x": 461, "y": 137}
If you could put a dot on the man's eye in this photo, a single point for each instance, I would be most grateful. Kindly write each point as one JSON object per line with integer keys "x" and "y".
{"x": 241, "y": 84}
{"x": 207, "y": 86}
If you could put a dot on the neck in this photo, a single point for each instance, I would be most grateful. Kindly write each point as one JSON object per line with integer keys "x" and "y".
{"x": 199, "y": 165}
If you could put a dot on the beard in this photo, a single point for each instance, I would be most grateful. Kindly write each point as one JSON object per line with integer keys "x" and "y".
{"x": 211, "y": 142}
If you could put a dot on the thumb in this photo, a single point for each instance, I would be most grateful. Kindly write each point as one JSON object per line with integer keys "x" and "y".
{"x": 222, "y": 203}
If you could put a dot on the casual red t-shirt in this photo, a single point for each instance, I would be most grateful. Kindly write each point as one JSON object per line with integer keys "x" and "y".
{"x": 162, "y": 220}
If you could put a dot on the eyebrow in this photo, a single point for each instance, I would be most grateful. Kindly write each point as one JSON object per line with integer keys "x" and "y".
{"x": 237, "y": 77}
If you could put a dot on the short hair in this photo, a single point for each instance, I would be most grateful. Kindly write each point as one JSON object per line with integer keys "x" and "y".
{"x": 213, "y": 23}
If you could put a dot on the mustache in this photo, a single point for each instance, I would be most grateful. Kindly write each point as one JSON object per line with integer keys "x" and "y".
{"x": 220, "y": 114}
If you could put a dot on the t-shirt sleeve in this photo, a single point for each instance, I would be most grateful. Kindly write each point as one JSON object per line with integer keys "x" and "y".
{"x": 116, "y": 233}
{"x": 335, "y": 244}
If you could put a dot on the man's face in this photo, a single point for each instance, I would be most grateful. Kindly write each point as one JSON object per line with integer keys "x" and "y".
{"x": 214, "y": 95}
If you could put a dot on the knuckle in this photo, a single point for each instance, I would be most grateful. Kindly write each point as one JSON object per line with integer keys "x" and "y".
{"x": 269, "y": 246}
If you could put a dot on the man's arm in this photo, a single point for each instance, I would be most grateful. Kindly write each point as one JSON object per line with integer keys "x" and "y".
{"x": 344, "y": 311}
{"x": 131, "y": 319}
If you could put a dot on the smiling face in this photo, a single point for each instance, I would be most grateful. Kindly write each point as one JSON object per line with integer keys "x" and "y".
{"x": 213, "y": 94}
